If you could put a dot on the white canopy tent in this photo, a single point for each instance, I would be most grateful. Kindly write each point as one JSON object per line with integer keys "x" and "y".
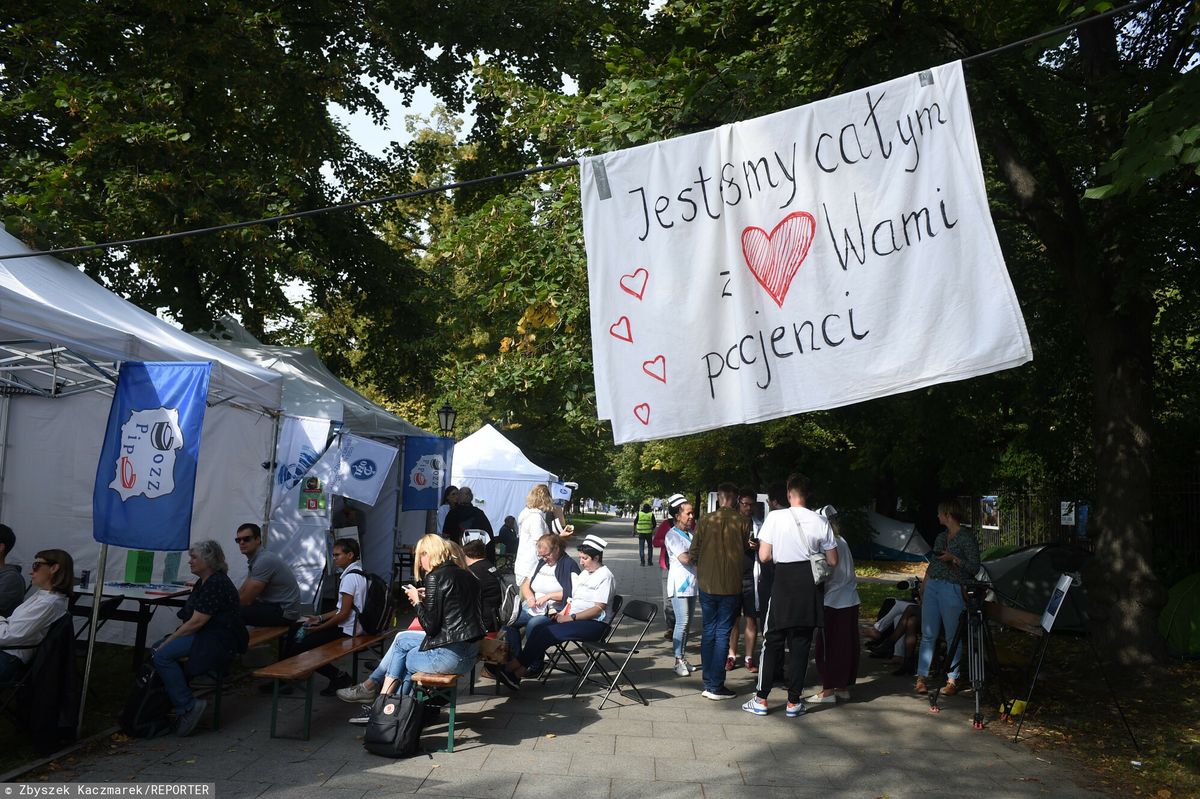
{"x": 62, "y": 338}
{"x": 311, "y": 390}
{"x": 497, "y": 472}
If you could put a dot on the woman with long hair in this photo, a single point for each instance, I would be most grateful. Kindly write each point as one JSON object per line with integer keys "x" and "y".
{"x": 681, "y": 582}
{"x": 53, "y": 575}
{"x": 956, "y": 559}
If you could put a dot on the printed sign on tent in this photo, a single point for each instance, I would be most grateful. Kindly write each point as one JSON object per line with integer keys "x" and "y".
{"x": 146, "y": 477}
{"x": 362, "y": 467}
{"x": 301, "y": 442}
{"x": 426, "y": 471}
{"x": 809, "y": 259}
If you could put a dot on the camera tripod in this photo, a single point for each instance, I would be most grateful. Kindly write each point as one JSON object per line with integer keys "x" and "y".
{"x": 981, "y": 652}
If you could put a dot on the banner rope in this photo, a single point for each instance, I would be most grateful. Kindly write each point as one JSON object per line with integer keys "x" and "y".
{"x": 520, "y": 173}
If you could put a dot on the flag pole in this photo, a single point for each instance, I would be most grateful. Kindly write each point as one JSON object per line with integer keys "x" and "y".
{"x": 97, "y": 594}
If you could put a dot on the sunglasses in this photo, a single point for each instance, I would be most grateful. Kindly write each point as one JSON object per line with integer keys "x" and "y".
{"x": 244, "y": 539}
{"x": 37, "y": 564}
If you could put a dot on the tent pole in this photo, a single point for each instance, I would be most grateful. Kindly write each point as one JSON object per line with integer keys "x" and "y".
{"x": 4, "y": 403}
{"x": 271, "y": 466}
{"x": 97, "y": 594}
{"x": 397, "y": 539}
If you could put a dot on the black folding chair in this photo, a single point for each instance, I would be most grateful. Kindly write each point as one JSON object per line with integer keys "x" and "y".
{"x": 562, "y": 652}
{"x": 637, "y": 611}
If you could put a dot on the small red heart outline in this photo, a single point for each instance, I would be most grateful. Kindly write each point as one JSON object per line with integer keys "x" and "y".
{"x": 639, "y": 274}
{"x": 660, "y": 362}
{"x": 775, "y": 261}
{"x": 621, "y": 329}
{"x": 642, "y": 412}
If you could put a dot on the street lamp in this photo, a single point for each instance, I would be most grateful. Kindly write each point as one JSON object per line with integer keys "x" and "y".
{"x": 446, "y": 419}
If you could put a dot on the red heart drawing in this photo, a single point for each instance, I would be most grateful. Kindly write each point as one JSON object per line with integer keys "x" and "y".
{"x": 620, "y": 329}
{"x": 775, "y": 257}
{"x": 660, "y": 364}
{"x": 642, "y": 412}
{"x": 637, "y": 278}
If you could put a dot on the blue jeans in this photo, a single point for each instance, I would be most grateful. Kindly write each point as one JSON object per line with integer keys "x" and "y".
{"x": 683, "y": 607}
{"x": 717, "y": 612}
{"x": 645, "y": 548}
{"x": 166, "y": 662}
{"x": 405, "y": 658}
{"x": 512, "y": 634}
{"x": 941, "y": 605}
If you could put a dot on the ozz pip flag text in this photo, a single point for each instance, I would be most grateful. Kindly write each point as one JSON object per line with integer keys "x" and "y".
{"x": 808, "y": 259}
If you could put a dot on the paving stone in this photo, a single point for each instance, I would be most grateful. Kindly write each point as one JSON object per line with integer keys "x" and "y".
{"x": 703, "y": 771}
{"x": 679, "y": 748}
{"x": 474, "y": 784}
{"x": 582, "y": 743}
{"x": 646, "y": 789}
{"x": 555, "y": 786}
{"x": 616, "y": 766}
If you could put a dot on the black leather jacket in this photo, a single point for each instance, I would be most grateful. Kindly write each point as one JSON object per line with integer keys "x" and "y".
{"x": 450, "y": 611}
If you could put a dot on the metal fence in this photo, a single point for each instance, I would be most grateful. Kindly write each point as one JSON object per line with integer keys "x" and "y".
{"x": 1016, "y": 520}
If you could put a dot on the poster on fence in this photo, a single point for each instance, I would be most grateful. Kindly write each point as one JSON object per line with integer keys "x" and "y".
{"x": 813, "y": 258}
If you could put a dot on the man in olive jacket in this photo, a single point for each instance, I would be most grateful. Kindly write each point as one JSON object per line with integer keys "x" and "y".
{"x": 716, "y": 552}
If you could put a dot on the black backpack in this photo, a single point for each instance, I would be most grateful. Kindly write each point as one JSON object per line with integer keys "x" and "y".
{"x": 395, "y": 726}
{"x": 147, "y": 710}
{"x": 376, "y": 611}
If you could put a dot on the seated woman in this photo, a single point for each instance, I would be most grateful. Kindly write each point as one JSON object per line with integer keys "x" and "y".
{"x": 583, "y": 618}
{"x": 53, "y": 575}
{"x": 543, "y": 592}
{"x": 208, "y": 638}
{"x": 448, "y": 607}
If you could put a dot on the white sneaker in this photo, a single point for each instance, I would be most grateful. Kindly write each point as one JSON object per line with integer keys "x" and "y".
{"x": 681, "y": 669}
{"x": 690, "y": 667}
{"x": 817, "y": 699}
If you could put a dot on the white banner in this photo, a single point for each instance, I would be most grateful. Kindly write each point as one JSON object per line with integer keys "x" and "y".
{"x": 362, "y": 468}
{"x": 301, "y": 442}
{"x": 809, "y": 259}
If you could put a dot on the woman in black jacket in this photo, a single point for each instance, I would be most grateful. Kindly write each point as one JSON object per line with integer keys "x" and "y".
{"x": 448, "y": 607}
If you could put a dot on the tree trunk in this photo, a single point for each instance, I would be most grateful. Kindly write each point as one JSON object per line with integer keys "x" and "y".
{"x": 1124, "y": 596}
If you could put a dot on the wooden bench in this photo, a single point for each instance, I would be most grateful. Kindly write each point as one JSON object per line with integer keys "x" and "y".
{"x": 427, "y": 685}
{"x": 303, "y": 665}
{"x": 258, "y": 637}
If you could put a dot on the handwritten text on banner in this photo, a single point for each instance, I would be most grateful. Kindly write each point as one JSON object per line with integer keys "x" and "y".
{"x": 809, "y": 259}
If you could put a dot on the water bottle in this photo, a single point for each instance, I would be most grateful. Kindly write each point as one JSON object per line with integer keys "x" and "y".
{"x": 300, "y": 633}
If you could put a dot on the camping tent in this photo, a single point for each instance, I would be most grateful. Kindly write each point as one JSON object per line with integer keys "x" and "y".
{"x": 1180, "y": 619}
{"x": 62, "y": 336}
{"x": 497, "y": 472}
{"x": 892, "y": 540}
{"x": 310, "y": 390}
{"x": 1025, "y": 579}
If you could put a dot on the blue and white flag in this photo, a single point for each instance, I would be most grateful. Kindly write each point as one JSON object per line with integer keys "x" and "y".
{"x": 301, "y": 442}
{"x": 426, "y": 471}
{"x": 363, "y": 466}
{"x": 146, "y": 478}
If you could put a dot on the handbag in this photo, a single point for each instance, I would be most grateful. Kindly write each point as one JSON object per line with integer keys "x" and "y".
{"x": 821, "y": 570}
{"x": 394, "y": 729}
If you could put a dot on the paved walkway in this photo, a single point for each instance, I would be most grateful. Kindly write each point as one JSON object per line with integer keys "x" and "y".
{"x": 541, "y": 743}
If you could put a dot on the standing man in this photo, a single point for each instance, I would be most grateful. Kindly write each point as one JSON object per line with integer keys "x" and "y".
{"x": 12, "y": 584}
{"x": 749, "y": 607}
{"x": 270, "y": 596}
{"x": 643, "y": 528}
{"x": 788, "y": 538}
{"x": 716, "y": 551}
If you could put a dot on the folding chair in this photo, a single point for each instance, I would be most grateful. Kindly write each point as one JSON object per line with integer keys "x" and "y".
{"x": 562, "y": 651}
{"x": 638, "y": 611}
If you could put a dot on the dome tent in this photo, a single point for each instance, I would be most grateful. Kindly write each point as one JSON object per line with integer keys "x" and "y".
{"x": 1025, "y": 579}
{"x": 1180, "y": 619}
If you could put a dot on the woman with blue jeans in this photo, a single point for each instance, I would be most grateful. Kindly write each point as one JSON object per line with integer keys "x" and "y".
{"x": 681, "y": 582}
{"x": 956, "y": 558}
{"x": 208, "y": 638}
{"x": 451, "y": 617}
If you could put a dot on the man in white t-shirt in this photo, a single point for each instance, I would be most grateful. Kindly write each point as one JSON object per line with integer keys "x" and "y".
{"x": 788, "y": 538}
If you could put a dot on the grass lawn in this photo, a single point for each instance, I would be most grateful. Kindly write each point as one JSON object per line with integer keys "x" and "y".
{"x": 1072, "y": 713}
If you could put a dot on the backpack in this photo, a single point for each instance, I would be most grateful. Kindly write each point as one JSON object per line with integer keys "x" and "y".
{"x": 377, "y": 609}
{"x": 510, "y": 604}
{"x": 147, "y": 709}
{"x": 395, "y": 726}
